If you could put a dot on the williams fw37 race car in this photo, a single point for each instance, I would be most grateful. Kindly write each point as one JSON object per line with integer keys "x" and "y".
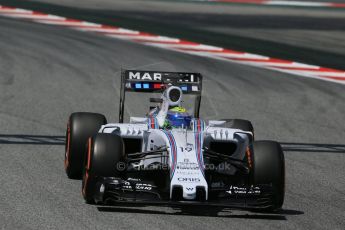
{"x": 171, "y": 156}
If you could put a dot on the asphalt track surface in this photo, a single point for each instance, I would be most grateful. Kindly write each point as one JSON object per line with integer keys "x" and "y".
{"x": 48, "y": 72}
{"x": 308, "y": 35}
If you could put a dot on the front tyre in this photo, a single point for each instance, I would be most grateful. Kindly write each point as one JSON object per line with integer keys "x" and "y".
{"x": 269, "y": 168}
{"x": 105, "y": 158}
{"x": 80, "y": 127}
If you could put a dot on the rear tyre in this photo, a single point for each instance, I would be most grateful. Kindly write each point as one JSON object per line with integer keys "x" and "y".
{"x": 244, "y": 125}
{"x": 269, "y": 168}
{"x": 105, "y": 158}
{"x": 80, "y": 127}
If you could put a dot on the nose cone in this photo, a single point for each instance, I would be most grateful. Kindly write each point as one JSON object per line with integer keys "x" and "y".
{"x": 189, "y": 192}
{"x": 188, "y": 181}
{"x": 192, "y": 188}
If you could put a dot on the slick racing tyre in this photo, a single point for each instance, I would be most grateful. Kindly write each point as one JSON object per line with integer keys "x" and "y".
{"x": 105, "y": 157}
{"x": 244, "y": 125}
{"x": 269, "y": 168}
{"x": 80, "y": 127}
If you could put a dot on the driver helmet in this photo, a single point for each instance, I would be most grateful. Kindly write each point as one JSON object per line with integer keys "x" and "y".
{"x": 177, "y": 117}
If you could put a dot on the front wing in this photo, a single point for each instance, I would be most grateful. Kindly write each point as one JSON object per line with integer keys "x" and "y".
{"x": 110, "y": 190}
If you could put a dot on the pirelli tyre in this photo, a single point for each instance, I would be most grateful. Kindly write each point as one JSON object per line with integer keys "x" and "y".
{"x": 80, "y": 127}
{"x": 269, "y": 168}
{"x": 105, "y": 158}
{"x": 244, "y": 125}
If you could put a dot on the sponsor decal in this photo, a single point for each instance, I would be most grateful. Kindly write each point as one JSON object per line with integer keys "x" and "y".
{"x": 188, "y": 79}
{"x": 138, "y": 186}
{"x": 188, "y": 179}
{"x": 187, "y": 166}
{"x": 153, "y": 76}
{"x": 187, "y": 172}
{"x": 189, "y": 189}
{"x": 243, "y": 190}
{"x": 145, "y": 76}
{"x": 147, "y": 187}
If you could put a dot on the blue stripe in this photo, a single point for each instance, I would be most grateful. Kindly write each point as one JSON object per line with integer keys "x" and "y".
{"x": 172, "y": 143}
{"x": 196, "y": 127}
{"x": 175, "y": 154}
{"x": 198, "y": 143}
{"x": 156, "y": 123}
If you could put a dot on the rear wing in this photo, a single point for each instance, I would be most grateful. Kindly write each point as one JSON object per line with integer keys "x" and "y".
{"x": 156, "y": 82}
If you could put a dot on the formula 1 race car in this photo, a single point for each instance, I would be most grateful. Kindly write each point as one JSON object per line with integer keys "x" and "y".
{"x": 170, "y": 157}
